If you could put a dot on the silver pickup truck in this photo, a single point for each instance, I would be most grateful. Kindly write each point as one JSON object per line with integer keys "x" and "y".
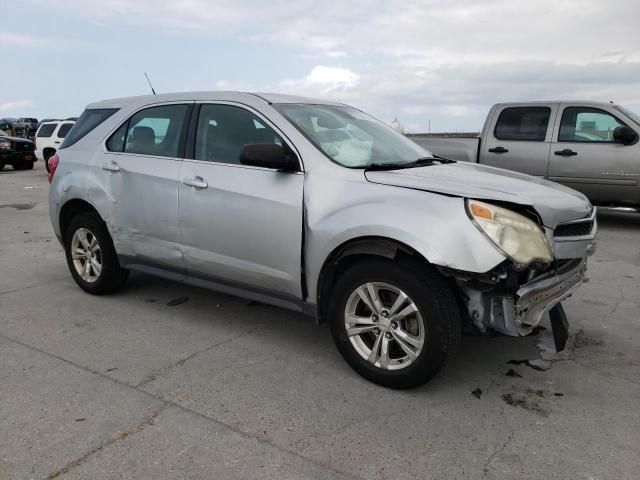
{"x": 591, "y": 147}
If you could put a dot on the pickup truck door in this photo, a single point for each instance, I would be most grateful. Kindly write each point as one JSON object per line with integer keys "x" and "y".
{"x": 585, "y": 157}
{"x": 518, "y": 137}
{"x": 240, "y": 226}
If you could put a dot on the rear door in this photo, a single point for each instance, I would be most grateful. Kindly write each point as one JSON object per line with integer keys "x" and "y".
{"x": 140, "y": 169}
{"x": 519, "y": 138}
{"x": 585, "y": 157}
{"x": 239, "y": 225}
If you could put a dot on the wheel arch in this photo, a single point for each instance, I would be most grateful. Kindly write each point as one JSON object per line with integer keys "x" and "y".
{"x": 47, "y": 150}
{"x": 354, "y": 250}
{"x": 73, "y": 208}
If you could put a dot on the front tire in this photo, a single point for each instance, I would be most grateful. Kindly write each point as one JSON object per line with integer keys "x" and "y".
{"x": 395, "y": 322}
{"x": 91, "y": 256}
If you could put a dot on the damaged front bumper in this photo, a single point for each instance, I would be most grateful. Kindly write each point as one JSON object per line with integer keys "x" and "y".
{"x": 537, "y": 297}
{"x": 502, "y": 303}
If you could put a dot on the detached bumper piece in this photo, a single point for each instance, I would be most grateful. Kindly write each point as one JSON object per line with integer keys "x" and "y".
{"x": 560, "y": 326}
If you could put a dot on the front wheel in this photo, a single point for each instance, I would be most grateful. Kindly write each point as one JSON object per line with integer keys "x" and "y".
{"x": 395, "y": 322}
{"x": 91, "y": 256}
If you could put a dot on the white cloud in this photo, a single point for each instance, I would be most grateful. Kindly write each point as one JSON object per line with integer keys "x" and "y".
{"x": 337, "y": 76}
{"x": 9, "y": 40}
{"x": 15, "y": 106}
{"x": 322, "y": 81}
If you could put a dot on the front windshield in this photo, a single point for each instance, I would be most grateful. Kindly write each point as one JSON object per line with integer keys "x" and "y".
{"x": 349, "y": 137}
{"x": 632, "y": 115}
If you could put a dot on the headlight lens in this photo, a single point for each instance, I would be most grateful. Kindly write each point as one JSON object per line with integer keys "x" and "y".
{"x": 515, "y": 235}
{"x": 5, "y": 145}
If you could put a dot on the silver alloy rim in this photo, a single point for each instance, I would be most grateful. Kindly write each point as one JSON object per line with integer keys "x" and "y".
{"x": 86, "y": 255}
{"x": 384, "y": 325}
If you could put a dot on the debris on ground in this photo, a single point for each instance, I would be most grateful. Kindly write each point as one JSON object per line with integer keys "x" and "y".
{"x": 177, "y": 301}
{"x": 512, "y": 373}
{"x": 477, "y": 393}
{"x": 537, "y": 364}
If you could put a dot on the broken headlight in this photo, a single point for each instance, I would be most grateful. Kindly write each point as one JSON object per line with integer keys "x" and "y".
{"x": 516, "y": 236}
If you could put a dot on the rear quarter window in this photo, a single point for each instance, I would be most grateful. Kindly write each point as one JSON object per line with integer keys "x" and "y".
{"x": 89, "y": 120}
{"x": 523, "y": 124}
{"x": 46, "y": 130}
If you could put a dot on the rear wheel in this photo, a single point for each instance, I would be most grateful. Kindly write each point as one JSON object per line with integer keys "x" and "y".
{"x": 395, "y": 322}
{"x": 91, "y": 256}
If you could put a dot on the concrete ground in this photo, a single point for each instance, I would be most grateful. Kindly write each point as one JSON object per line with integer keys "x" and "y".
{"x": 126, "y": 386}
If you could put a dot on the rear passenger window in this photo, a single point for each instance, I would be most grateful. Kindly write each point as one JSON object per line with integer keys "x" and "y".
{"x": 224, "y": 129}
{"x": 46, "y": 130}
{"x": 523, "y": 123}
{"x": 586, "y": 124}
{"x": 64, "y": 129}
{"x": 154, "y": 131}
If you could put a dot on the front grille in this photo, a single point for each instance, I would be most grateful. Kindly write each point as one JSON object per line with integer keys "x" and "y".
{"x": 575, "y": 229}
{"x": 22, "y": 146}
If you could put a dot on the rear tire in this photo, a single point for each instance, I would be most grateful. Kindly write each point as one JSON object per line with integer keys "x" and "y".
{"x": 418, "y": 343}
{"x": 91, "y": 256}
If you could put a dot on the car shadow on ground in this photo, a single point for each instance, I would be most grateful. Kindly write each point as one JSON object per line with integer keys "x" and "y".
{"x": 478, "y": 360}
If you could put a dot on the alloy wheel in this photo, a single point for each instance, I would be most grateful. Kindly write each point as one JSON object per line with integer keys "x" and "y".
{"x": 384, "y": 325}
{"x": 86, "y": 255}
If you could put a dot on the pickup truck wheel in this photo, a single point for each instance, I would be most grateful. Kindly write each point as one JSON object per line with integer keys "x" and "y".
{"x": 394, "y": 322}
{"x": 91, "y": 256}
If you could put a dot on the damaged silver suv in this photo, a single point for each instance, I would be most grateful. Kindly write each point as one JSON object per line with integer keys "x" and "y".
{"x": 317, "y": 207}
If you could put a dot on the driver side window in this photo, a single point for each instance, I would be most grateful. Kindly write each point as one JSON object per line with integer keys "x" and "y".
{"x": 223, "y": 130}
{"x": 586, "y": 124}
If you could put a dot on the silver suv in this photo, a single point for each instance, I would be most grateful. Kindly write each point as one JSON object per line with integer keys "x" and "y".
{"x": 317, "y": 207}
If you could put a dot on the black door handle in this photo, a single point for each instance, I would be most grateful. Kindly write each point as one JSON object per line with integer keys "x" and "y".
{"x": 498, "y": 150}
{"x": 567, "y": 152}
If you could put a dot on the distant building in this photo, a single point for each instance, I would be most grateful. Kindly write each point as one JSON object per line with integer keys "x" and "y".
{"x": 397, "y": 126}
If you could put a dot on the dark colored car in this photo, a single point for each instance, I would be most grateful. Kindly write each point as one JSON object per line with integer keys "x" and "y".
{"x": 17, "y": 152}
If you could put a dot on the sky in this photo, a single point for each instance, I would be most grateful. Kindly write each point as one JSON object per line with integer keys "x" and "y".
{"x": 443, "y": 62}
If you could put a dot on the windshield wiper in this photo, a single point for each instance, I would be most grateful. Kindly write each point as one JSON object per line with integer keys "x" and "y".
{"x": 420, "y": 162}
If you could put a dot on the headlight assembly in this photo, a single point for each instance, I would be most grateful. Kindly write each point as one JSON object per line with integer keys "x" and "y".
{"x": 5, "y": 145}
{"x": 518, "y": 237}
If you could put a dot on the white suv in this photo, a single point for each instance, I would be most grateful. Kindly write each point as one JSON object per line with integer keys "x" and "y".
{"x": 49, "y": 137}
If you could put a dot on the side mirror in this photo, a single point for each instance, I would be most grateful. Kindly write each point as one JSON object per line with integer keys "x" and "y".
{"x": 625, "y": 135}
{"x": 268, "y": 155}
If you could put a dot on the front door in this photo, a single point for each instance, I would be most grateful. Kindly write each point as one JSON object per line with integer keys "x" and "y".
{"x": 140, "y": 173}
{"x": 239, "y": 225}
{"x": 519, "y": 139}
{"x": 585, "y": 157}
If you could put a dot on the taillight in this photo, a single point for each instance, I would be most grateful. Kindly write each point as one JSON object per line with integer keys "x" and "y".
{"x": 53, "y": 164}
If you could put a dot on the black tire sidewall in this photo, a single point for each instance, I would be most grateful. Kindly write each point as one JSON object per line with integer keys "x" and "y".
{"x": 111, "y": 272}
{"x": 431, "y": 296}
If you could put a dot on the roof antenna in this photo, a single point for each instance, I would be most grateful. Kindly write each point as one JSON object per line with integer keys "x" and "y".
{"x": 151, "y": 86}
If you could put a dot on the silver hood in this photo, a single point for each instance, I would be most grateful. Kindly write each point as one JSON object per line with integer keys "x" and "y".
{"x": 554, "y": 203}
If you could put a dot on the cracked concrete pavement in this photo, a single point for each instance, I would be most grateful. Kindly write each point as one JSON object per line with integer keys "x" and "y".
{"x": 125, "y": 386}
